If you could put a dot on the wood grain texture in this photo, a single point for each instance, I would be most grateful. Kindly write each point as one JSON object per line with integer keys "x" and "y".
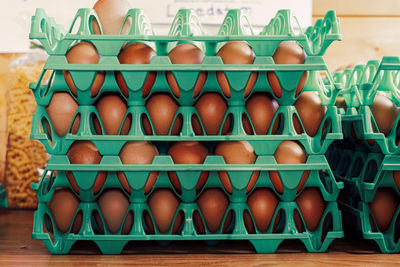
{"x": 382, "y": 8}
{"x": 364, "y": 39}
{"x": 18, "y": 249}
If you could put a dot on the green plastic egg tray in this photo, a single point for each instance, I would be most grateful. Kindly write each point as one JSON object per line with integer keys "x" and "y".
{"x": 359, "y": 222}
{"x": 364, "y": 173}
{"x": 3, "y": 197}
{"x": 186, "y": 28}
{"x": 60, "y": 243}
{"x": 359, "y": 87}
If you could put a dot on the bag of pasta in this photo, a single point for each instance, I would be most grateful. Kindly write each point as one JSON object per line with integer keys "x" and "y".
{"x": 23, "y": 156}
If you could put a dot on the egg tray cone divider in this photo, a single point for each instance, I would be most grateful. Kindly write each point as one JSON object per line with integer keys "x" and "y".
{"x": 320, "y": 176}
{"x": 60, "y": 243}
{"x": 3, "y": 197}
{"x": 360, "y": 85}
{"x": 359, "y": 220}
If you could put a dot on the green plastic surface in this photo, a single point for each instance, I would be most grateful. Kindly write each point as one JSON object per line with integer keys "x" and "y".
{"x": 3, "y": 197}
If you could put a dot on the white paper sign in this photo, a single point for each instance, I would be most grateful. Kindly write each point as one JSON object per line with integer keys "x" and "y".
{"x": 15, "y": 15}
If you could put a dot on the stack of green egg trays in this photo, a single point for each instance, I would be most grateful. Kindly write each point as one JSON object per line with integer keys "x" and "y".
{"x": 3, "y": 197}
{"x": 367, "y": 160}
{"x": 186, "y": 28}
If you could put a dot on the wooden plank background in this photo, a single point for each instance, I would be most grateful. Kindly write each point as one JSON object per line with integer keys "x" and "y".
{"x": 370, "y": 29}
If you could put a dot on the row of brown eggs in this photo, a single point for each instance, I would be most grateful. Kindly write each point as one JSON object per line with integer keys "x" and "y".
{"x": 233, "y": 52}
{"x": 163, "y": 204}
{"x": 186, "y": 152}
{"x": 162, "y": 108}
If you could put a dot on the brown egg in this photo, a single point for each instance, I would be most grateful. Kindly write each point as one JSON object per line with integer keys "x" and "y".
{"x": 113, "y": 205}
{"x": 63, "y": 206}
{"x": 383, "y": 207}
{"x": 84, "y": 53}
{"x": 188, "y": 152}
{"x": 163, "y": 205}
{"x": 396, "y": 177}
{"x": 136, "y": 53}
{"x": 61, "y": 111}
{"x": 162, "y": 109}
{"x": 236, "y": 152}
{"x": 236, "y": 52}
{"x": 312, "y": 207}
{"x": 112, "y": 110}
{"x": 385, "y": 113}
{"x": 289, "y": 152}
{"x": 262, "y": 204}
{"x": 85, "y": 152}
{"x": 186, "y": 53}
{"x": 211, "y": 108}
{"x": 111, "y": 14}
{"x": 213, "y": 204}
{"x": 261, "y": 109}
{"x": 138, "y": 152}
{"x": 288, "y": 52}
{"x": 311, "y": 112}
{"x": 340, "y": 103}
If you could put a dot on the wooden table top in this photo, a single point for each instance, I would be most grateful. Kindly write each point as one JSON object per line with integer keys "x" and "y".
{"x": 18, "y": 249}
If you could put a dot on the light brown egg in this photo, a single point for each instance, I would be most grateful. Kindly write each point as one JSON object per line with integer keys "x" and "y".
{"x": 63, "y": 206}
{"x": 261, "y": 109}
{"x": 311, "y": 112}
{"x": 213, "y": 204}
{"x": 288, "y": 52}
{"x": 136, "y": 53}
{"x": 138, "y": 152}
{"x": 211, "y": 108}
{"x": 289, "y": 152}
{"x": 312, "y": 207}
{"x": 162, "y": 109}
{"x": 163, "y": 205}
{"x": 186, "y": 53}
{"x": 61, "y": 111}
{"x": 385, "y": 113}
{"x": 113, "y": 205}
{"x": 262, "y": 204}
{"x": 111, "y": 14}
{"x": 84, "y": 53}
{"x": 236, "y": 152}
{"x": 188, "y": 152}
{"x": 112, "y": 110}
{"x": 236, "y": 52}
{"x": 383, "y": 207}
{"x": 85, "y": 152}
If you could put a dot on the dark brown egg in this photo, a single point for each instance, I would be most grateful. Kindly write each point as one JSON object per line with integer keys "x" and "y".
{"x": 213, "y": 204}
{"x": 341, "y": 103}
{"x": 312, "y": 207}
{"x": 385, "y": 113}
{"x": 236, "y": 152}
{"x": 84, "y": 53}
{"x": 162, "y": 109}
{"x": 113, "y": 205}
{"x": 236, "y": 52}
{"x": 61, "y": 111}
{"x": 136, "y": 53}
{"x": 311, "y": 112}
{"x": 138, "y": 152}
{"x": 188, "y": 152}
{"x": 63, "y": 206}
{"x": 289, "y": 152}
{"x": 383, "y": 207}
{"x": 261, "y": 109}
{"x": 163, "y": 205}
{"x": 186, "y": 53}
{"x": 396, "y": 177}
{"x": 288, "y": 52}
{"x": 111, "y": 14}
{"x": 262, "y": 204}
{"x": 211, "y": 108}
{"x": 85, "y": 152}
{"x": 112, "y": 110}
